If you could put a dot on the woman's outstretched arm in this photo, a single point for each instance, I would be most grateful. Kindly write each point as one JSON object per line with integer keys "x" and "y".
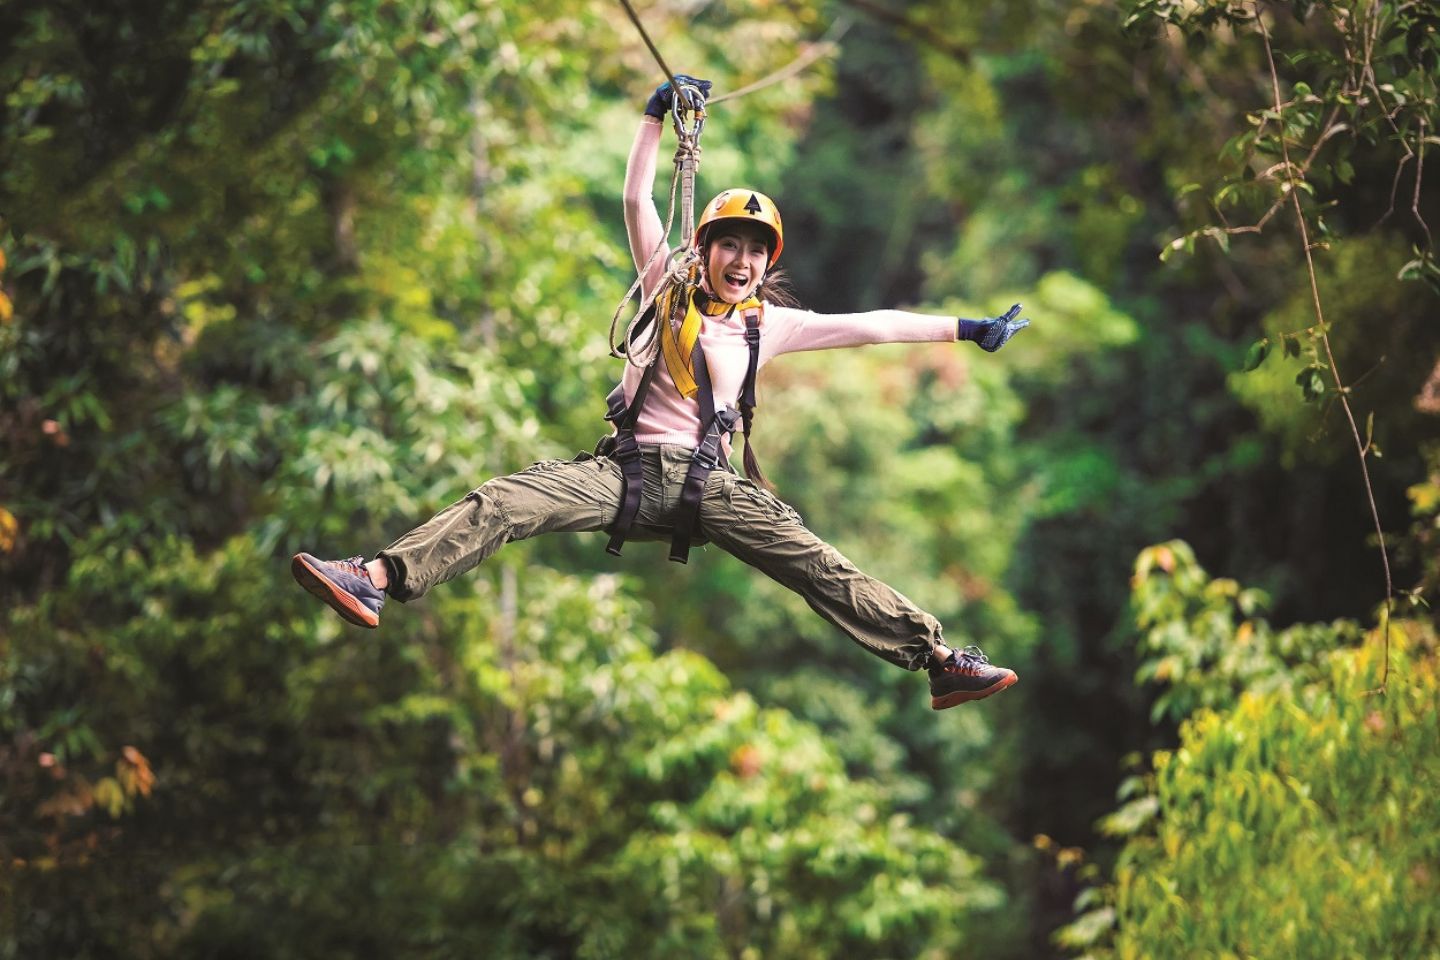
{"x": 796, "y": 330}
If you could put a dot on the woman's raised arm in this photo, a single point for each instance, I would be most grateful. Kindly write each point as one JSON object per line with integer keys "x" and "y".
{"x": 642, "y": 220}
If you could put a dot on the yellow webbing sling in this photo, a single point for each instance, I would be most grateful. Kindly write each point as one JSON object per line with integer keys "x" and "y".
{"x": 679, "y": 348}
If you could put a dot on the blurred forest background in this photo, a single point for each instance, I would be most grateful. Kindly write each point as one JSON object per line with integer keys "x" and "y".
{"x": 289, "y": 274}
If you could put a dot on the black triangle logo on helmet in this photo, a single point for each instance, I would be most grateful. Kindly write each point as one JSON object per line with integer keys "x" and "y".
{"x": 753, "y": 206}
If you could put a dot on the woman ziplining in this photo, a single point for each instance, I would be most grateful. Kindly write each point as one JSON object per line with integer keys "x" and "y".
{"x": 713, "y": 314}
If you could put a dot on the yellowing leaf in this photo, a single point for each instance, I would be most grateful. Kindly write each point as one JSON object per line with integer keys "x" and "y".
{"x": 110, "y": 796}
{"x": 134, "y": 772}
{"x": 9, "y": 530}
{"x": 1165, "y": 558}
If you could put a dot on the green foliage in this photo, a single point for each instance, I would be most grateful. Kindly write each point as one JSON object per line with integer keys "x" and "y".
{"x": 1205, "y": 641}
{"x": 1297, "y": 815}
{"x": 1424, "y": 497}
{"x": 1358, "y": 89}
{"x": 286, "y": 276}
{"x": 1382, "y": 346}
{"x": 295, "y": 275}
{"x": 586, "y": 798}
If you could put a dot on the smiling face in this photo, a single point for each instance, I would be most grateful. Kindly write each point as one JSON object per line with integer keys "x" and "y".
{"x": 736, "y": 253}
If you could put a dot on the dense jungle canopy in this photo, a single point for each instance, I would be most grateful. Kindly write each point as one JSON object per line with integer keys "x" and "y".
{"x": 282, "y": 275}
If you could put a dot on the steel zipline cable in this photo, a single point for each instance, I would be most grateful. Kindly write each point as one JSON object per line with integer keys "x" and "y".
{"x": 825, "y": 46}
{"x": 649, "y": 43}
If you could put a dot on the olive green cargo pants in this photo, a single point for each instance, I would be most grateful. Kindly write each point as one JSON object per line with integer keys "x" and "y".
{"x": 737, "y": 516}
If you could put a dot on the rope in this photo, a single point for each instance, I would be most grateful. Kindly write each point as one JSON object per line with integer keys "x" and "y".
{"x": 687, "y": 161}
{"x": 823, "y": 47}
{"x": 684, "y": 260}
{"x": 646, "y": 37}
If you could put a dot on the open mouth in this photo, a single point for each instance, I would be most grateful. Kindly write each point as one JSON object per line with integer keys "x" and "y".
{"x": 736, "y": 282}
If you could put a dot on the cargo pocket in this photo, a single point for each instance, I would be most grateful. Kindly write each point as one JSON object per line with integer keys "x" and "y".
{"x": 769, "y": 509}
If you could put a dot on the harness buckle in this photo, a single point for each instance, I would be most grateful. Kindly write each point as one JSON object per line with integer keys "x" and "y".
{"x": 626, "y": 447}
{"x": 615, "y": 404}
{"x": 706, "y": 456}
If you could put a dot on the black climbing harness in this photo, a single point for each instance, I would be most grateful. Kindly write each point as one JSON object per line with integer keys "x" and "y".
{"x": 709, "y": 453}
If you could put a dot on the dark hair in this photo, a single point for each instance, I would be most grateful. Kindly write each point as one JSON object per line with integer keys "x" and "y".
{"x": 752, "y": 465}
{"x": 777, "y": 289}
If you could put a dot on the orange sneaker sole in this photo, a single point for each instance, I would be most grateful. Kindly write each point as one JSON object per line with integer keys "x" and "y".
{"x": 965, "y": 696}
{"x": 338, "y": 600}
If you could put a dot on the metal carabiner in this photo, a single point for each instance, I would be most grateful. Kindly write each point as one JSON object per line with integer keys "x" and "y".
{"x": 683, "y": 266}
{"x": 688, "y": 97}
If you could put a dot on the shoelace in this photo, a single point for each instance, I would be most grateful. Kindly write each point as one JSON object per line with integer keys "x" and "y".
{"x": 355, "y": 566}
{"x": 968, "y": 661}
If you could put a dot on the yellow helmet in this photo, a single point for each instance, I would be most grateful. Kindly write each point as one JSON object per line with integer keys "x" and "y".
{"x": 742, "y": 204}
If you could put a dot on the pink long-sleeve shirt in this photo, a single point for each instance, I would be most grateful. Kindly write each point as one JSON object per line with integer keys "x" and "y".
{"x": 669, "y": 417}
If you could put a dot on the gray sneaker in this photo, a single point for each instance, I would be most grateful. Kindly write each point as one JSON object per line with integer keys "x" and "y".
{"x": 966, "y": 675}
{"x": 343, "y": 584}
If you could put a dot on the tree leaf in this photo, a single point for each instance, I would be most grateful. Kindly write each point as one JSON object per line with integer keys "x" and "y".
{"x": 1311, "y": 383}
{"x": 1259, "y": 350}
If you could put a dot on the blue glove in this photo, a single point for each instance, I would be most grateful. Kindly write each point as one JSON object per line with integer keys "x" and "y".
{"x": 663, "y": 96}
{"x": 993, "y": 332}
